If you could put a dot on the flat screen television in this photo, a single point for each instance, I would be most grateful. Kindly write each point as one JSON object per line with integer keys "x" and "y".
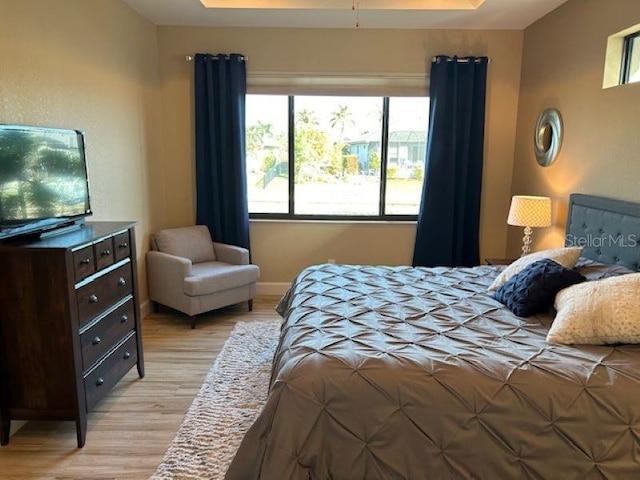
{"x": 43, "y": 180}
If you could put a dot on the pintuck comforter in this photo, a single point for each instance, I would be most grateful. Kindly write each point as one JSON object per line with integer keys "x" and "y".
{"x": 418, "y": 373}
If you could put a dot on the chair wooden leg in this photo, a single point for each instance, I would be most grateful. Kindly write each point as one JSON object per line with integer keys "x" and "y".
{"x": 250, "y": 302}
{"x": 192, "y": 319}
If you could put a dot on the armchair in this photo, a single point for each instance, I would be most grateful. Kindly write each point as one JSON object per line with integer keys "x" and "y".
{"x": 189, "y": 272}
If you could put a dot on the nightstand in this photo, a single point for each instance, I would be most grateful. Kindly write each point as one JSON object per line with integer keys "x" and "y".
{"x": 499, "y": 261}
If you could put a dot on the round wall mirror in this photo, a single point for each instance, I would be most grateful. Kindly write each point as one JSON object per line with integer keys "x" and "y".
{"x": 547, "y": 138}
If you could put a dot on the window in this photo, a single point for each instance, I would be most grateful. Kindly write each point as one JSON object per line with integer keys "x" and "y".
{"x": 335, "y": 157}
{"x": 631, "y": 59}
{"x": 267, "y": 147}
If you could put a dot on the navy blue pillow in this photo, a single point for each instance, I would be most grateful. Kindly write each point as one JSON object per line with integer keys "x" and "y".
{"x": 534, "y": 288}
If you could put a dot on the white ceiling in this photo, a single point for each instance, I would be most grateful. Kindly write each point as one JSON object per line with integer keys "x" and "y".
{"x": 431, "y": 14}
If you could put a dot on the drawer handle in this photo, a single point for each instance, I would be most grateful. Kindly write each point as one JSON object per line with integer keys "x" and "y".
{"x": 105, "y": 253}
{"x": 126, "y": 355}
{"x": 85, "y": 261}
{"x": 123, "y": 245}
{"x": 122, "y": 281}
{"x": 93, "y": 299}
{"x": 123, "y": 319}
{"x": 99, "y": 382}
{"x": 96, "y": 340}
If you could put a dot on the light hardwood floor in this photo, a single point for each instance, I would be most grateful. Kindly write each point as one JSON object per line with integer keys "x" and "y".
{"x": 130, "y": 429}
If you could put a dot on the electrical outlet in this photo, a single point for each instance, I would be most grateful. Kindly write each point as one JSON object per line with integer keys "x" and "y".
{"x": 331, "y": 260}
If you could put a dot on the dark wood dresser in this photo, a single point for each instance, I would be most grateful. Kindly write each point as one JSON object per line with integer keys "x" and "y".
{"x": 69, "y": 322}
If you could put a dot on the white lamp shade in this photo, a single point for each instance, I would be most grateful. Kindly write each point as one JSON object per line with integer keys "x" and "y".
{"x": 528, "y": 211}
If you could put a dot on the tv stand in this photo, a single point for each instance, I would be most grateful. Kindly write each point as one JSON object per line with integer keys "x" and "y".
{"x": 69, "y": 322}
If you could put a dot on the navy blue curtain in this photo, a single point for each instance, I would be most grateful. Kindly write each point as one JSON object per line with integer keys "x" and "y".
{"x": 449, "y": 217}
{"x": 221, "y": 182}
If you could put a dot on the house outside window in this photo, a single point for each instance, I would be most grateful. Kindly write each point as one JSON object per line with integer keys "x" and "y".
{"x": 335, "y": 157}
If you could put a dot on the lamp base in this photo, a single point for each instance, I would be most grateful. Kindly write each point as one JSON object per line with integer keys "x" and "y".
{"x": 526, "y": 241}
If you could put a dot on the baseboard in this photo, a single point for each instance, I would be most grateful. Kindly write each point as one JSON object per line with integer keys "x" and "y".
{"x": 145, "y": 308}
{"x": 16, "y": 425}
{"x": 272, "y": 288}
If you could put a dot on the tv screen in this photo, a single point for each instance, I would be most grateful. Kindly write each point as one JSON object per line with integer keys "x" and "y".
{"x": 43, "y": 178}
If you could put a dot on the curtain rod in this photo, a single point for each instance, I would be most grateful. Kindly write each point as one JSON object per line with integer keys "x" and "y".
{"x": 459, "y": 59}
{"x": 189, "y": 58}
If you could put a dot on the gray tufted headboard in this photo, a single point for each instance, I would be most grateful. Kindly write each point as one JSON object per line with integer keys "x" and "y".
{"x": 608, "y": 229}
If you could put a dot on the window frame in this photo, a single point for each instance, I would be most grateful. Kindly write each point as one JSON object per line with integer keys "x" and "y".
{"x": 384, "y": 143}
{"x": 627, "y": 52}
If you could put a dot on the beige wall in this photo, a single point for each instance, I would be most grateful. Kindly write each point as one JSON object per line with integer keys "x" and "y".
{"x": 92, "y": 66}
{"x": 563, "y": 67}
{"x": 282, "y": 249}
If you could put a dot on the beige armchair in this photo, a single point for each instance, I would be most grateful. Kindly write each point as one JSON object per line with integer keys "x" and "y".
{"x": 189, "y": 272}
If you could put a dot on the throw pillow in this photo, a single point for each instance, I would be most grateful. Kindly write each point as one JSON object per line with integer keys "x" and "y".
{"x": 593, "y": 270}
{"x": 600, "y": 312}
{"x": 567, "y": 257}
{"x": 533, "y": 289}
{"x": 193, "y": 243}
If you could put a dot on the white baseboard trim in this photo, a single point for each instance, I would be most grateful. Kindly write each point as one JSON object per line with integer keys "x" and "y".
{"x": 145, "y": 309}
{"x": 272, "y": 288}
{"x": 16, "y": 425}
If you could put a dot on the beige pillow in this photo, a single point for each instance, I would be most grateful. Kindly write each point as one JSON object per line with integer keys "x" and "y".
{"x": 567, "y": 257}
{"x": 598, "y": 312}
{"x": 193, "y": 243}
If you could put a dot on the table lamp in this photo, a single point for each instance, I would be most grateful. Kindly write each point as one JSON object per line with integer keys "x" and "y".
{"x": 528, "y": 211}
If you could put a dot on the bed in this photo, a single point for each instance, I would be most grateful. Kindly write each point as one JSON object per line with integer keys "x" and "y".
{"x": 419, "y": 373}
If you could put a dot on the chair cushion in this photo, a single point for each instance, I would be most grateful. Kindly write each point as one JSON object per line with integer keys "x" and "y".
{"x": 193, "y": 243}
{"x": 212, "y": 277}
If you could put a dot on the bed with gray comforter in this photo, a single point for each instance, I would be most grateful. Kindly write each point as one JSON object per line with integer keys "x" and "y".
{"x": 419, "y": 373}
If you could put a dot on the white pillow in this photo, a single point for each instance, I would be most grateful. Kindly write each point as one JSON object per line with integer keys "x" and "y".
{"x": 567, "y": 257}
{"x": 598, "y": 312}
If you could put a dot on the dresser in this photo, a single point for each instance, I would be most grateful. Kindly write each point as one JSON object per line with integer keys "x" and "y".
{"x": 69, "y": 322}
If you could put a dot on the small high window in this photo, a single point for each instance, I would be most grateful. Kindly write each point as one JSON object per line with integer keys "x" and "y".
{"x": 631, "y": 59}
{"x": 622, "y": 58}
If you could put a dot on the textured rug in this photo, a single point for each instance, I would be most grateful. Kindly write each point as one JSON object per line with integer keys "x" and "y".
{"x": 229, "y": 401}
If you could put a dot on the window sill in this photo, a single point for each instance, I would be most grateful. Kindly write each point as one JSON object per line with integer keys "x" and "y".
{"x": 332, "y": 221}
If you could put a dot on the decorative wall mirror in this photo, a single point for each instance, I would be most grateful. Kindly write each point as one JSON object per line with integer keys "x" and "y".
{"x": 547, "y": 137}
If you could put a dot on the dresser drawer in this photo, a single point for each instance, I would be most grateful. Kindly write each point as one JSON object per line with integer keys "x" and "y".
{"x": 102, "y": 378}
{"x": 104, "y": 253}
{"x": 101, "y": 337}
{"x": 101, "y": 293}
{"x": 121, "y": 246}
{"x": 84, "y": 263}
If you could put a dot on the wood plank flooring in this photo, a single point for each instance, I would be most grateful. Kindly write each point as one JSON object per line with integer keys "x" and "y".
{"x": 130, "y": 430}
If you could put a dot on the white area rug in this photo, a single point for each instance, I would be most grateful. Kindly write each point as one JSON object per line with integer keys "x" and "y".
{"x": 229, "y": 401}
